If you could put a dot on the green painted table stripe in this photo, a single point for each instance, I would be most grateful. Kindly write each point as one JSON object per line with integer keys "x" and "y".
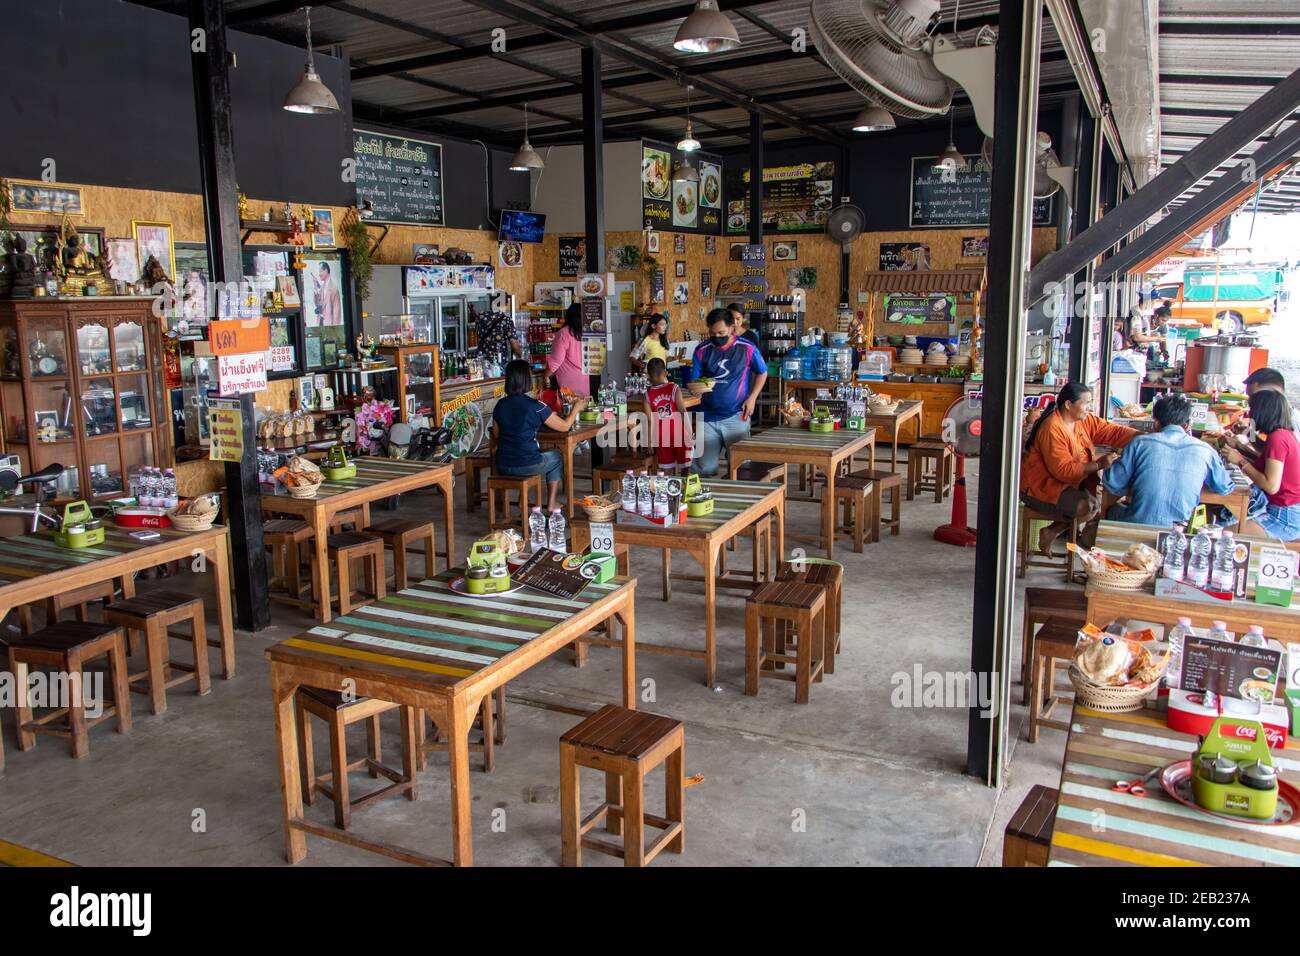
{"x": 447, "y": 610}
{"x": 410, "y": 647}
{"x": 531, "y": 595}
{"x": 44, "y": 544}
{"x": 429, "y": 649}
{"x": 384, "y": 610}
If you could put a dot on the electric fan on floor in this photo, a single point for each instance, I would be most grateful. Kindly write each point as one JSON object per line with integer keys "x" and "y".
{"x": 961, "y": 430}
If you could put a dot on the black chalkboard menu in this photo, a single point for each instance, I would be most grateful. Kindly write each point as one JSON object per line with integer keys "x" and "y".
{"x": 795, "y": 198}
{"x": 680, "y": 207}
{"x": 401, "y": 177}
{"x": 959, "y": 197}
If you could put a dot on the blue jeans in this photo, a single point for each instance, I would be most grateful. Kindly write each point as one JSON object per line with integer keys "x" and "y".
{"x": 1280, "y": 521}
{"x": 714, "y": 437}
{"x": 550, "y": 467}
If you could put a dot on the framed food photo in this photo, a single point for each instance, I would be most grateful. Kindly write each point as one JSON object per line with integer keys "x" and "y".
{"x": 322, "y": 236}
{"x": 154, "y": 239}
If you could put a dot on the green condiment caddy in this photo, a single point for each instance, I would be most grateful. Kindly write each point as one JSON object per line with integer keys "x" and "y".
{"x": 79, "y": 528}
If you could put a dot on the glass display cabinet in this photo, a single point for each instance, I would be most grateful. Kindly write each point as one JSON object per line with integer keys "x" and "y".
{"x": 80, "y": 384}
{"x": 418, "y": 379}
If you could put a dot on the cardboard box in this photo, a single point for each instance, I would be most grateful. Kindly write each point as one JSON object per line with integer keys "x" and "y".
{"x": 634, "y": 518}
{"x": 1188, "y": 714}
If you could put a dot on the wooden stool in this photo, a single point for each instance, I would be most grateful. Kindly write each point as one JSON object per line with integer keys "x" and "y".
{"x": 930, "y": 466}
{"x": 856, "y": 497}
{"x": 399, "y": 534}
{"x": 830, "y": 576}
{"x": 762, "y": 471}
{"x": 1054, "y": 642}
{"x": 1027, "y": 546}
{"x": 1028, "y": 836}
{"x": 475, "y": 466}
{"x": 491, "y": 720}
{"x": 504, "y": 484}
{"x": 343, "y": 549}
{"x": 773, "y": 609}
{"x": 153, "y": 614}
{"x": 67, "y": 646}
{"x": 349, "y": 520}
{"x": 1064, "y": 605}
{"x": 339, "y": 714}
{"x": 883, "y": 481}
{"x": 626, "y": 745}
{"x": 285, "y": 538}
{"x": 79, "y": 600}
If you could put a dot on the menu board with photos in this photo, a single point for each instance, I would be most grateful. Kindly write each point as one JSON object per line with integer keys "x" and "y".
{"x": 795, "y": 198}
{"x": 680, "y": 207}
{"x": 959, "y": 197}
{"x": 401, "y": 177}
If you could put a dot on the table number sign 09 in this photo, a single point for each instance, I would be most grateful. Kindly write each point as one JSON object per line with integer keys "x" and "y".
{"x": 1277, "y": 568}
{"x": 602, "y": 537}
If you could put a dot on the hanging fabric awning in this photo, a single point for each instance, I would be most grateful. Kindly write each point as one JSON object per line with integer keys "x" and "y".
{"x": 952, "y": 281}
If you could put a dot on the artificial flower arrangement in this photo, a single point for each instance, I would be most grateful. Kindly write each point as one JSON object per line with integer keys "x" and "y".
{"x": 373, "y": 419}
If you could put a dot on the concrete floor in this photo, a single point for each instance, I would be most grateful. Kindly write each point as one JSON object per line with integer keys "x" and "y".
{"x": 847, "y": 779}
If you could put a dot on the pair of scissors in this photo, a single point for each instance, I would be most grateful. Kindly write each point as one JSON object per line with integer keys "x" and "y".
{"x": 1135, "y": 787}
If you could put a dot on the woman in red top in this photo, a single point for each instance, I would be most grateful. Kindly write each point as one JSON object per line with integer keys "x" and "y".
{"x": 667, "y": 408}
{"x": 1275, "y": 500}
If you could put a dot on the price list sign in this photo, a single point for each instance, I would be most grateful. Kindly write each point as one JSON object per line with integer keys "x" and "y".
{"x": 402, "y": 178}
{"x": 753, "y": 277}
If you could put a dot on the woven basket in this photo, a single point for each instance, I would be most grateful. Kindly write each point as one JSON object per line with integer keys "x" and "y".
{"x": 601, "y": 513}
{"x": 1133, "y": 580}
{"x": 882, "y": 409}
{"x": 192, "y": 522}
{"x": 304, "y": 491}
{"x": 794, "y": 421}
{"x": 1108, "y": 697}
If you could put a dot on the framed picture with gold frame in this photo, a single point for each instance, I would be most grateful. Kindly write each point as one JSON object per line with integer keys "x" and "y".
{"x": 28, "y": 196}
{"x": 154, "y": 239}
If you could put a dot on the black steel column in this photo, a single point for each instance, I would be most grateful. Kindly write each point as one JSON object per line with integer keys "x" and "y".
{"x": 846, "y": 171}
{"x": 1010, "y": 214}
{"x": 210, "y": 68}
{"x": 756, "y": 179}
{"x": 1085, "y": 201}
{"x": 593, "y": 158}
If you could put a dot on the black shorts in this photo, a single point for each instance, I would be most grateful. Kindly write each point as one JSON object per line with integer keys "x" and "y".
{"x": 1066, "y": 506}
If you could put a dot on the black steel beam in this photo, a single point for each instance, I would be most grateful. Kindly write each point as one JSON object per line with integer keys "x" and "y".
{"x": 1227, "y": 28}
{"x": 593, "y": 160}
{"x": 274, "y": 8}
{"x": 1269, "y": 109}
{"x": 1216, "y": 79}
{"x": 216, "y": 141}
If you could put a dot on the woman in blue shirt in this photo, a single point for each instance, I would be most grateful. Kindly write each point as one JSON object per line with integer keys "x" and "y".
{"x": 515, "y": 421}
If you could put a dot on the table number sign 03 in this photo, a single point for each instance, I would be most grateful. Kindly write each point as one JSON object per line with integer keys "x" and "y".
{"x": 1277, "y": 568}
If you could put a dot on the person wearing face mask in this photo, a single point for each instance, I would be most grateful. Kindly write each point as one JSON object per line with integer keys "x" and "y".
{"x": 739, "y": 374}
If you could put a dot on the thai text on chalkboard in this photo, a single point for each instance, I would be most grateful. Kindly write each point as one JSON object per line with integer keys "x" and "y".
{"x": 400, "y": 177}
{"x": 958, "y": 197}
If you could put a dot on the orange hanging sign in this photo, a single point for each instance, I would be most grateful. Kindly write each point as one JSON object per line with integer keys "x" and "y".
{"x": 239, "y": 336}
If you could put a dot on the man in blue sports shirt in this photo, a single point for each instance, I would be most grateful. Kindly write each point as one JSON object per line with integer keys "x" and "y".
{"x": 739, "y": 374}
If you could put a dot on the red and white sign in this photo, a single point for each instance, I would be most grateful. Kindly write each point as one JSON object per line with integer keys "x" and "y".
{"x": 237, "y": 374}
{"x": 281, "y": 358}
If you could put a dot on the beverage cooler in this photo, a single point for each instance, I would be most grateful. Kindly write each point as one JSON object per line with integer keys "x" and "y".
{"x": 440, "y": 304}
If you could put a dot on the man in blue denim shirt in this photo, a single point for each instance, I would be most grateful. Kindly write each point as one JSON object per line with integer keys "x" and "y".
{"x": 1163, "y": 473}
{"x": 739, "y": 374}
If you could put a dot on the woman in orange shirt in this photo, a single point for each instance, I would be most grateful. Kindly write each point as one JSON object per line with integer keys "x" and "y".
{"x": 1059, "y": 474}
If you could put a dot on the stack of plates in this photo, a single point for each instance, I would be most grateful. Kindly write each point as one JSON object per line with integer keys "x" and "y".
{"x": 911, "y": 356}
{"x": 959, "y": 360}
{"x": 937, "y": 357}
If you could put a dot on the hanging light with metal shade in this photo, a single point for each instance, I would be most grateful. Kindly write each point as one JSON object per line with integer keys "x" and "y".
{"x": 526, "y": 158}
{"x": 873, "y": 119}
{"x": 706, "y": 30}
{"x": 310, "y": 95}
{"x": 951, "y": 157}
{"x": 686, "y": 173}
{"x": 688, "y": 142}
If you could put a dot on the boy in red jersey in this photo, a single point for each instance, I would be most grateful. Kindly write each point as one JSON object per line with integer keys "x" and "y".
{"x": 667, "y": 410}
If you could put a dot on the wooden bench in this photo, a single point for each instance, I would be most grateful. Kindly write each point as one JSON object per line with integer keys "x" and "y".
{"x": 285, "y": 537}
{"x": 491, "y": 720}
{"x": 855, "y": 498}
{"x": 930, "y": 467}
{"x": 399, "y": 534}
{"x": 625, "y": 745}
{"x": 1028, "y": 836}
{"x": 152, "y": 614}
{"x": 502, "y": 485}
{"x": 1026, "y": 545}
{"x": 1065, "y": 605}
{"x": 775, "y": 614}
{"x": 829, "y": 575}
{"x": 475, "y": 467}
{"x": 1054, "y": 642}
{"x": 762, "y": 471}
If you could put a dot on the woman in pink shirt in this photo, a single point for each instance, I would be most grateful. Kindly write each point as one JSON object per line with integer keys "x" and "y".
{"x": 565, "y": 360}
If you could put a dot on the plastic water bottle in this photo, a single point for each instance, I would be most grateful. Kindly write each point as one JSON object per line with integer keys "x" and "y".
{"x": 536, "y": 529}
{"x": 1174, "y": 553}
{"x": 644, "y": 502}
{"x": 1225, "y": 563}
{"x": 558, "y": 531}
{"x": 1254, "y": 637}
{"x": 169, "y": 487}
{"x": 1177, "y": 634}
{"x": 660, "y": 503}
{"x": 1219, "y": 631}
{"x": 629, "y": 491}
{"x": 149, "y": 487}
{"x": 1198, "y": 567}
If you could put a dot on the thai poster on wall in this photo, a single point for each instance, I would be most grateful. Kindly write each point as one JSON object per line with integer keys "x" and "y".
{"x": 693, "y": 206}
{"x": 905, "y": 257}
{"x": 795, "y": 198}
{"x": 573, "y": 255}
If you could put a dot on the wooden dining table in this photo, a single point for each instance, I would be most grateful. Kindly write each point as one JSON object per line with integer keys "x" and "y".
{"x": 1099, "y": 826}
{"x": 825, "y": 451}
{"x": 376, "y": 479}
{"x": 908, "y": 410}
{"x": 1236, "y": 501}
{"x": 567, "y": 443}
{"x": 738, "y": 506}
{"x": 441, "y": 652}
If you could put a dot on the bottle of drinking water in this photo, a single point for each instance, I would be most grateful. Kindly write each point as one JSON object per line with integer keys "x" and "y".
{"x": 1225, "y": 563}
{"x": 536, "y": 529}
{"x": 1177, "y": 635}
{"x": 1198, "y": 566}
{"x": 660, "y": 504}
{"x": 629, "y": 491}
{"x": 1254, "y": 637}
{"x": 169, "y": 487}
{"x": 149, "y": 487}
{"x": 644, "y": 504}
{"x": 1174, "y": 553}
{"x": 558, "y": 531}
{"x": 1218, "y": 632}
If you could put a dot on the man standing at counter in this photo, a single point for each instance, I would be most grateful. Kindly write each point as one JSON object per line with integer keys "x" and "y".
{"x": 739, "y": 374}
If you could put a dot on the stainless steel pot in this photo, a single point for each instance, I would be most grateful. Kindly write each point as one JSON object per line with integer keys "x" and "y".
{"x": 1230, "y": 361}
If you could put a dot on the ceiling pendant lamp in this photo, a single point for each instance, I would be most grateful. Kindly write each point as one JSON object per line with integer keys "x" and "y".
{"x": 310, "y": 95}
{"x": 686, "y": 173}
{"x": 688, "y": 142}
{"x": 873, "y": 119}
{"x": 951, "y": 157}
{"x": 706, "y": 30}
{"x": 526, "y": 158}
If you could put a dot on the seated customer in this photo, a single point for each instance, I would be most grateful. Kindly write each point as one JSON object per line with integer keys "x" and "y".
{"x": 1275, "y": 500}
{"x": 1061, "y": 464}
{"x": 1163, "y": 473}
{"x": 515, "y": 421}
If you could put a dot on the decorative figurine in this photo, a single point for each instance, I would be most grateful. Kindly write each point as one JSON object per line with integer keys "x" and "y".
{"x": 21, "y": 266}
{"x": 244, "y": 211}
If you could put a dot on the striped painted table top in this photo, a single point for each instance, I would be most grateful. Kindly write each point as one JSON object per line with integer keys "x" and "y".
{"x": 31, "y": 555}
{"x": 782, "y": 437}
{"x": 1095, "y": 826}
{"x": 431, "y": 634}
{"x": 371, "y": 471}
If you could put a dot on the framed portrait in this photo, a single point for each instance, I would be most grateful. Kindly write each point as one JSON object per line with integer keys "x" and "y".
{"x": 122, "y": 263}
{"x": 322, "y": 237}
{"x": 154, "y": 239}
{"x": 681, "y": 292}
{"x": 192, "y": 282}
{"x": 28, "y": 196}
{"x": 680, "y": 268}
{"x": 652, "y": 242}
{"x": 306, "y": 393}
{"x": 679, "y": 244}
{"x": 710, "y": 245}
{"x": 322, "y": 293}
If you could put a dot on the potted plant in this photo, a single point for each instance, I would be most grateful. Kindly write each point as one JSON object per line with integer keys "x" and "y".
{"x": 357, "y": 241}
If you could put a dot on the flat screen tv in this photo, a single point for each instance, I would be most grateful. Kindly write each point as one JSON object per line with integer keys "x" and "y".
{"x": 522, "y": 226}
